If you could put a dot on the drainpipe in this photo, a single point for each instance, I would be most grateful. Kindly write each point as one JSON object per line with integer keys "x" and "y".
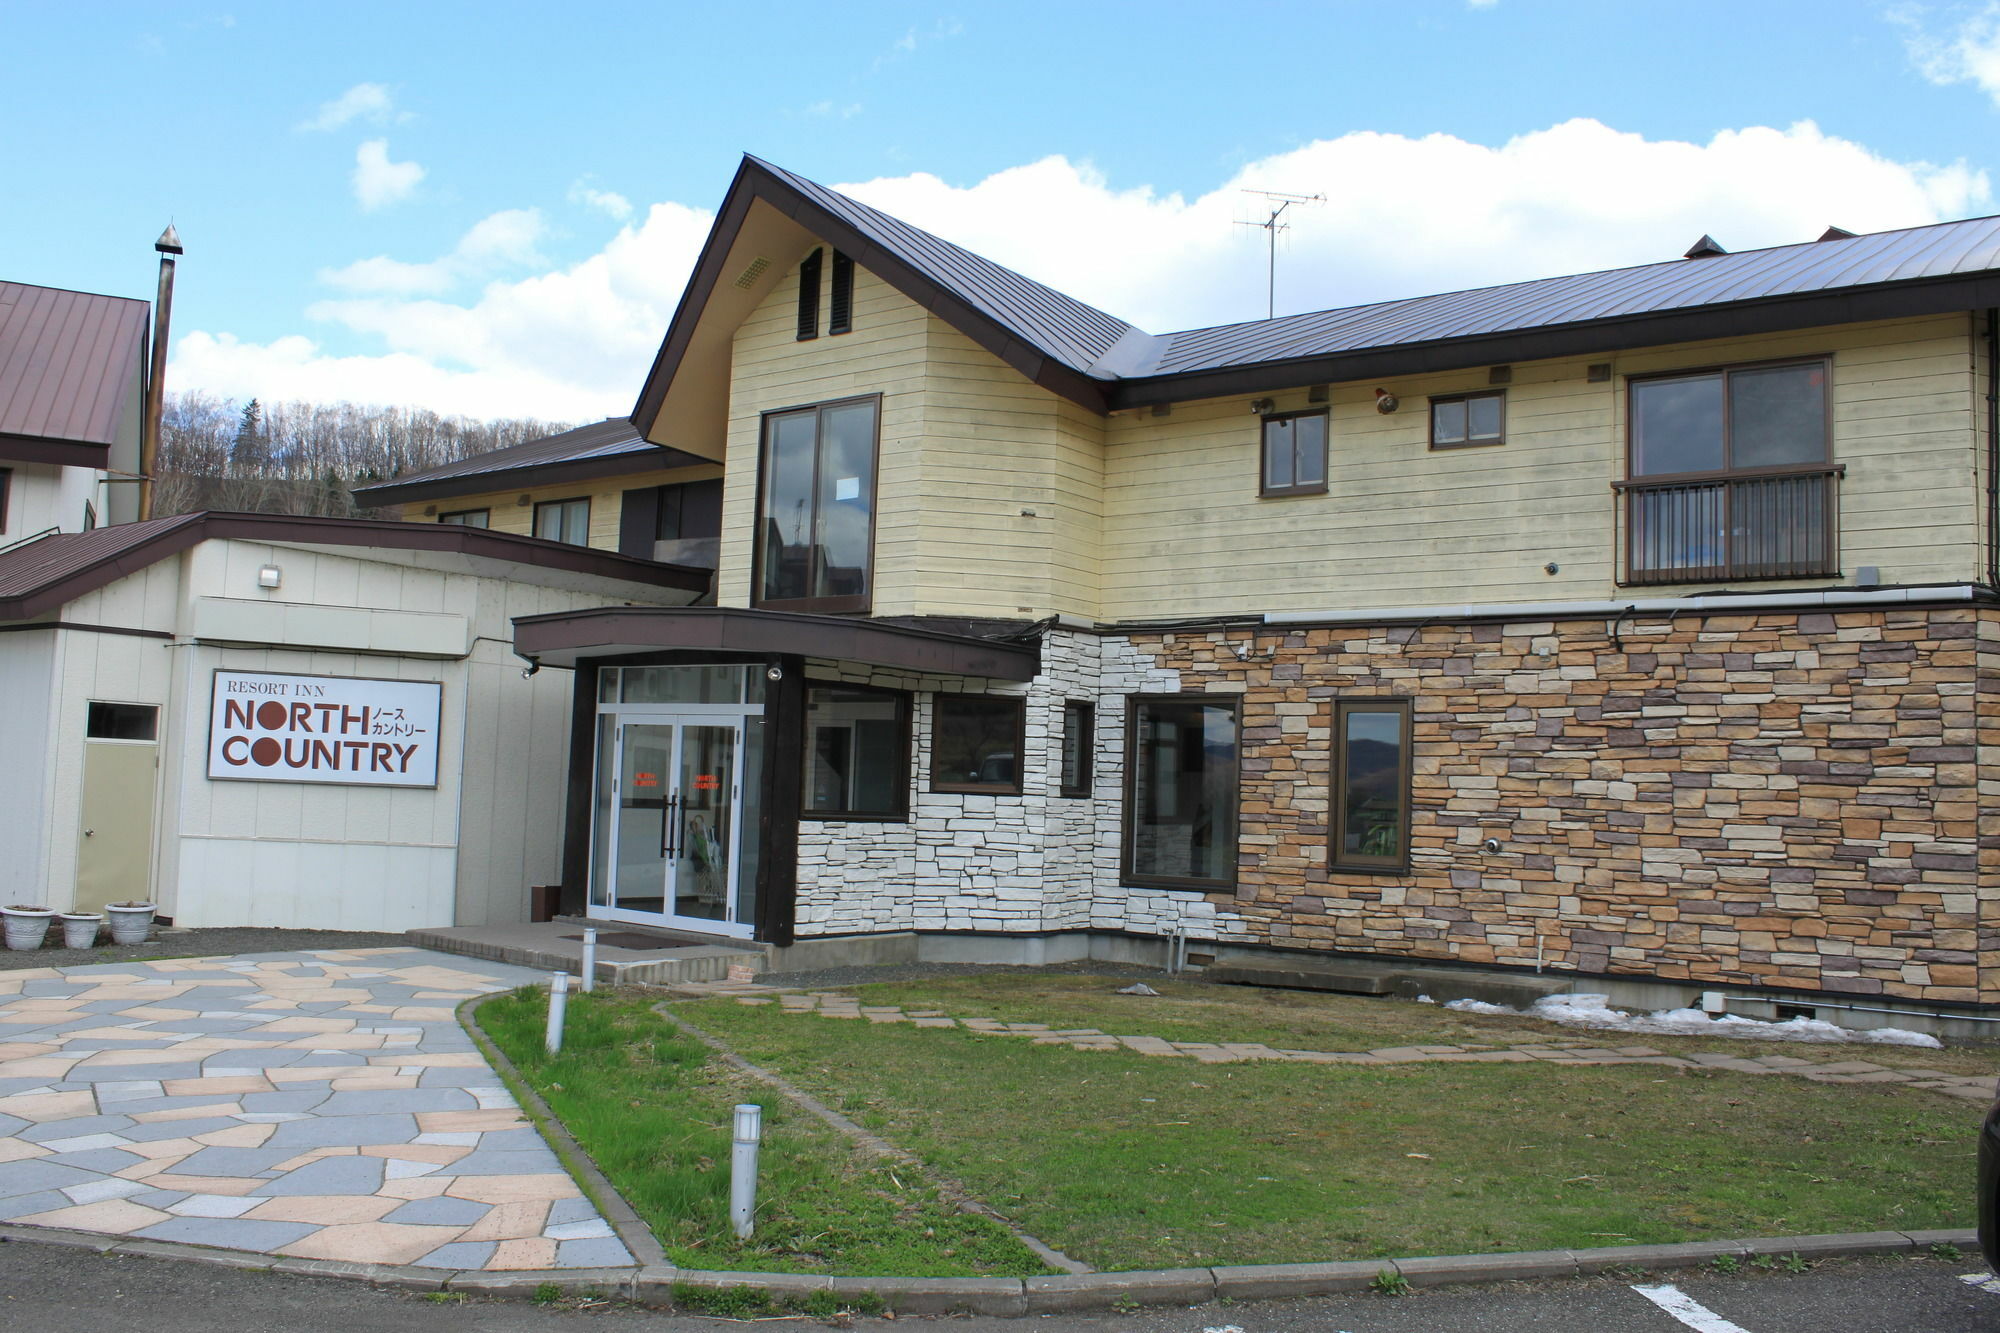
{"x": 1993, "y": 449}
{"x": 168, "y": 245}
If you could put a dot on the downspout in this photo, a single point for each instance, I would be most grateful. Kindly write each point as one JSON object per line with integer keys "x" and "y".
{"x": 1993, "y": 449}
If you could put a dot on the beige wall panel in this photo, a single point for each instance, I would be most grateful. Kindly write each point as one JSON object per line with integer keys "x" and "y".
{"x": 1187, "y": 534}
{"x": 606, "y": 496}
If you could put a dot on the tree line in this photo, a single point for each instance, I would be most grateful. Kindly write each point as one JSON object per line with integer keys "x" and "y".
{"x": 303, "y": 458}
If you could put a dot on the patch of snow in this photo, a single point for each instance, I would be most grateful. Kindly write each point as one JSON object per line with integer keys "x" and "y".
{"x": 1425, "y": 999}
{"x": 1595, "y": 1011}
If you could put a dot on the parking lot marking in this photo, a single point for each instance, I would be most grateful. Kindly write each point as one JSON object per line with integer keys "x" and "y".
{"x": 1688, "y": 1310}
{"x": 1984, "y": 1281}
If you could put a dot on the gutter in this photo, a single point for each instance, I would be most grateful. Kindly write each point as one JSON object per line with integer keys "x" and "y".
{"x": 1781, "y": 601}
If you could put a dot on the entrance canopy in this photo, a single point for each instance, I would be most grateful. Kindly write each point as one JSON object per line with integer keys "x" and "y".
{"x": 567, "y": 637}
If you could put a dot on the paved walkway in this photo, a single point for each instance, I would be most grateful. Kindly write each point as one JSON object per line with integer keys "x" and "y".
{"x": 322, "y": 1105}
{"x": 829, "y": 1004}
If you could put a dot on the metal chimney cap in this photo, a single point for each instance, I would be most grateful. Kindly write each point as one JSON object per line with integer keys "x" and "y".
{"x": 169, "y": 242}
{"x": 1705, "y": 248}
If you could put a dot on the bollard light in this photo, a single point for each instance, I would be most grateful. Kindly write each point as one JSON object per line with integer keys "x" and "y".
{"x": 558, "y": 1002}
{"x": 743, "y": 1167}
{"x": 589, "y": 959}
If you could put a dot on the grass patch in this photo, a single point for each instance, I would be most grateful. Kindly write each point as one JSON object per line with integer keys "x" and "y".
{"x": 653, "y": 1111}
{"x": 1128, "y": 1161}
{"x": 1314, "y": 1021}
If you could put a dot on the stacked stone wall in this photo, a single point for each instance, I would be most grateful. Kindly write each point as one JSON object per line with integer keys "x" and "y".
{"x": 1782, "y": 800}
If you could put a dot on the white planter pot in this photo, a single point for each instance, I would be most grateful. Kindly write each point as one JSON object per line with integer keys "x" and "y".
{"x": 130, "y": 925}
{"x": 80, "y": 929}
{"x": 26, "y": 928}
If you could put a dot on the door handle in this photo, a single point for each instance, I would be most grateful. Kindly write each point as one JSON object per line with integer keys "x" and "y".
{"x": 669, "y": 825}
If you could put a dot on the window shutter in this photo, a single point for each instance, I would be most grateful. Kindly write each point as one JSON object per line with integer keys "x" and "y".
{"x": 809, "y": 295}
{"x": 840, "y": 311}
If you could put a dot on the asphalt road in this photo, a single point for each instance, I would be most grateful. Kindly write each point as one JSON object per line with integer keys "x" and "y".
{"x": 56, "y": 1290}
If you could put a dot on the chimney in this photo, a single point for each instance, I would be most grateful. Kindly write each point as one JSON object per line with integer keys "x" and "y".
{"x": 168, "y": 245}
{"x": 1705, "y": 248}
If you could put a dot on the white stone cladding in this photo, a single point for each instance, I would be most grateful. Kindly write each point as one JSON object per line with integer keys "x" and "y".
{"x": 1016, "y": 864}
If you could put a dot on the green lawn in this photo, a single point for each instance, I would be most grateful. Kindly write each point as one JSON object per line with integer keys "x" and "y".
{"x": 653, "y": 1110}
{"x": 1128, "y": 1161}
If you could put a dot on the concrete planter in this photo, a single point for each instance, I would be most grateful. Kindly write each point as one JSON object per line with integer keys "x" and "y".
{"x": 26, "y": 927}
{"x": 131, "y": 923}
{"x": 80, "y": 929}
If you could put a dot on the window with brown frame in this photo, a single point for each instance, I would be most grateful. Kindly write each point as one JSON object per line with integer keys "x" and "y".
{"x": 564, "y": 521}
{"x": 1468, "y": 420}
{"x": 1371, "y": 784}
{"x": 468, "y": 518}
{"x": 816, "y": 507}
{"x": 1730, "y": 474}
{"x": 857, "y": 753}
{"x": 1181, "y": 769}
{"x": 1078, "y": 744}
{"x": 1294, "y": 454}
{"x": 976, "y": 743}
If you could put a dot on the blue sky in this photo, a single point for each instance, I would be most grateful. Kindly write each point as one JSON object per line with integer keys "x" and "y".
{"x": 490, "y": 208}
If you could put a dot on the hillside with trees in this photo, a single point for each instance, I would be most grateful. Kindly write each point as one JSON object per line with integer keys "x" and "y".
{"x": 302, "y": 458}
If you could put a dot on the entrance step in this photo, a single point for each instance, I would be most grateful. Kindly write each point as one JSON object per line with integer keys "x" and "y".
{"x": 1357, "y": 976}
{"x": 557, "y": 946}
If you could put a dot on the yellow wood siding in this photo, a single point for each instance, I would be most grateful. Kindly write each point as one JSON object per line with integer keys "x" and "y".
{"x": 606, "y": 495}
{"x": 1185, "y": 532}
{"x": 967, "y": 444}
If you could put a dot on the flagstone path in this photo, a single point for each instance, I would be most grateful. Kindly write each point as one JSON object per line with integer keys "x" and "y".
{"x": 321, "y": 1105}
{"x": 829, "y": 1004}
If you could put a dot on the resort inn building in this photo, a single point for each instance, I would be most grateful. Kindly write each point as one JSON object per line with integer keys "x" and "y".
{"x": 1635, "y": 627}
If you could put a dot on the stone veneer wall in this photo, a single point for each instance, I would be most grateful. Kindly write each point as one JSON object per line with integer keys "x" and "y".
{"x": 1783, "y": 800}
{"x": 1028, "y": 863}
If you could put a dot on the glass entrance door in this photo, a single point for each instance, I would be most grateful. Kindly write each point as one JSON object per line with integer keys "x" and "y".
{"x": 677, "y": 811}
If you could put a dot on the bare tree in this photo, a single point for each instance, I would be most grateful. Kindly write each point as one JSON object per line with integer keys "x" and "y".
{"x": 304, "y": 458}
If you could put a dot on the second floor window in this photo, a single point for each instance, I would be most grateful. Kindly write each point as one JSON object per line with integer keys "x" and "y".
{"x": 468, "y": 518}
{"x": 564, "y": 521}
{"x": 1731, "y": 476}
{"x": 816, "y": 513}
{"x": 1295, "y": 454}
{"x": 1468, "y": 419}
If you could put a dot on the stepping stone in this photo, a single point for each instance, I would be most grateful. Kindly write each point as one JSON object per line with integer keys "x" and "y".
{"x": 229, "y": 1233}
{"x": 592, "y": 1254}
{"x": 460, "y": 1254}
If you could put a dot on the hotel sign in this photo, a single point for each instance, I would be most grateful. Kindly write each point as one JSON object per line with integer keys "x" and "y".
{"x": 264, "y": 727}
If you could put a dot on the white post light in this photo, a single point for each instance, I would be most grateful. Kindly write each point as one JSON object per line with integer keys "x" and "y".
{"x": 743, "y": 1167}
{"x": 589, "y": 959}
{"x": 558, "y": 1002}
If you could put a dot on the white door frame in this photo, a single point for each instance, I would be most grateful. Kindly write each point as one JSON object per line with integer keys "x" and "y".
{"x": 679, "y": 718}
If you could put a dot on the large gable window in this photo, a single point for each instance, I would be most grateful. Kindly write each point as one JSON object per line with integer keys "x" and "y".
{"x": 1731, "y": 475}
{"x": 816, "y": 513}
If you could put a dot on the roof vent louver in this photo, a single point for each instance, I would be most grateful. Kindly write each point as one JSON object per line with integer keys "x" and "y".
{"x": 1705, "y": 248}
{"x": 748, "y": 277}
{"x": 1836, "y": 234}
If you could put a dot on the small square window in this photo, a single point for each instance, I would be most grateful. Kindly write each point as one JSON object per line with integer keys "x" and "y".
{"x": 1295, "y": 454}
{"x": 122, "y": 722}
{"x": 564, "y": 521}
{"x": 976, "y": 743}
{"x": 1468, "y": 419}
{"x": 468, "y": 518}
{"x": 857, "y": 753}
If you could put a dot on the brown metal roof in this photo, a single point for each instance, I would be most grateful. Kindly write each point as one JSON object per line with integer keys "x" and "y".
{"x": 69, "y": 362}
{"x": 39, "y": 576}
{"x": 609, "y": 448}
{"x": 564, "y": 638}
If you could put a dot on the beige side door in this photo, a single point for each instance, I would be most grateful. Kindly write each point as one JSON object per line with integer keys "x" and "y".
{"x": 114, "y": 860}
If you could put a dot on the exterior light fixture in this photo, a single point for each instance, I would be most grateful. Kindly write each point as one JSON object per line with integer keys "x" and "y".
{"x": 774, "y": 673}
{"x": 1386, "y": 402}
{"x": 1262, "y": 406}
{"x": 270, "y": 576}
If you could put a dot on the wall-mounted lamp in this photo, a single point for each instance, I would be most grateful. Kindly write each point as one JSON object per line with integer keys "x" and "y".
{"x": 270, "y": 576}
{"x": 528, "y": 672}
{"x": 1263, "y": 406}
{"x": 1386, "y": 402}
{"x": 774, "y": 673}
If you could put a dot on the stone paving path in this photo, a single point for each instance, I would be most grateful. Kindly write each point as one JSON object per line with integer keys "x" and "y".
{"x": 322, "y": 1105}
{"x": 830, "y": 1004}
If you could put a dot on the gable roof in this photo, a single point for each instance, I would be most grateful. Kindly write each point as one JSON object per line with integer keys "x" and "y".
{"x": 609, "y": 448}
{"x": 69, "y": 366}
{"x": 39, "y": 576}
{"x": 1105, "y": 363}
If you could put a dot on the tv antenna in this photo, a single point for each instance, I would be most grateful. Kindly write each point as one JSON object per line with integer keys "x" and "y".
{"x": 1278, "y": 202}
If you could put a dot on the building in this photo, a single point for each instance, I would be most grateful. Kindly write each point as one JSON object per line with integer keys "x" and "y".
{"x": 1635, "y": 624}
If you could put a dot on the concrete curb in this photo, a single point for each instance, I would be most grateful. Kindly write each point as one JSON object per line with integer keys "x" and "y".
{"x": 654, "y": 1284}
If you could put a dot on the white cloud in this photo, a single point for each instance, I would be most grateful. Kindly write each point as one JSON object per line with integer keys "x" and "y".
{"x": 503, "y": 240}
{"x": 827, "y": 107}
{"x": 379, "y": 182}
{"x": 1968, "y": 53}
{"x": 1404, "y": 217}
{"x": 609, "y": 202}
{"x": 364, "y": 101}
